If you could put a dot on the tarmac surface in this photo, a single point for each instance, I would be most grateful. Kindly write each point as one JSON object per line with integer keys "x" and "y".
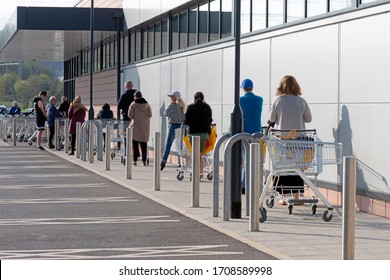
{"x": 53, "y": 206}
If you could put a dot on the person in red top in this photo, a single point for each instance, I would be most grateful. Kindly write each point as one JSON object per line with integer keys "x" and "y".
{"x": 76, "y": 113}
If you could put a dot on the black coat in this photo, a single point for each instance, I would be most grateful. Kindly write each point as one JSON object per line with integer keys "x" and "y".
{"x": 199, "y": 117}
{"x": 124, "y": 103}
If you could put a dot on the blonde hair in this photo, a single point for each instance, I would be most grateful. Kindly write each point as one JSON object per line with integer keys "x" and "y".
{"x": 288, "y": 85}
{"x": 181, "y": 104}
{"x": 52, "y": 98}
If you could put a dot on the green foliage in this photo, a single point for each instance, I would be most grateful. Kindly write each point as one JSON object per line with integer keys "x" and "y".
{"x": 34, "y": 78}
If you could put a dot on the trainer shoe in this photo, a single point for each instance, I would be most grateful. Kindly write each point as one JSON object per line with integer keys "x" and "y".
{"x": 162, "y": 166}
{"x": 40, "y": 148}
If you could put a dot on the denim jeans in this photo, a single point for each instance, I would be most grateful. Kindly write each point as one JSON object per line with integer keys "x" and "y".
{"x": 169, "y": 141}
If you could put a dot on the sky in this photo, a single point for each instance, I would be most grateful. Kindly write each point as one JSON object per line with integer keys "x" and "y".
{"x": 8, "y": 7}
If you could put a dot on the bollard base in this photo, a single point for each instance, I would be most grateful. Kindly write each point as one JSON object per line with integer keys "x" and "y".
{"x": 235, "y": 210}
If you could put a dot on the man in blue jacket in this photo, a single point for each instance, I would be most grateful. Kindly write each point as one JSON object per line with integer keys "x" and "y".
{"x": 251, "y": 106}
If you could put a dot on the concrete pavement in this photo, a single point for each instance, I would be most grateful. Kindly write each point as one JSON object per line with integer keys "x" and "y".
{"x": 300, "y": 236}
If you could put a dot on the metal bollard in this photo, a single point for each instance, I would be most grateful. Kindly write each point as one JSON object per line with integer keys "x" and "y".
{"x": 349, "y": 198}
{"x": 66, "y": 135}
{"x": 78, "y": 139}
{"x": 195, "y": 170}
{"x": 129, "y": 144}
{"x": 108, "y": 146}
{"x": 14, "y": 131}
{"x": 157, "y": 158}
{"x": 56, "y": 134}
{"x": 91, "y": 143}
{"x": 254, "y": 183}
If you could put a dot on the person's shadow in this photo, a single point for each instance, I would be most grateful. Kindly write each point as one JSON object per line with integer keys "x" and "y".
{"x": 366, "y": 177}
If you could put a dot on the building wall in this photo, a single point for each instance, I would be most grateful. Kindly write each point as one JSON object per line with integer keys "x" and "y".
{"x": 137, "y": 11}
{"x": 100, "y": 4}
{"x": 341, "y": 64}
{"x": 104, "y": 90}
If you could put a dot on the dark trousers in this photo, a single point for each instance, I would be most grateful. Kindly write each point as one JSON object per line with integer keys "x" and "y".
{"x": 51, "y": 135}
{"x": 73, "y": 143}
{"x": 136, "y": 154}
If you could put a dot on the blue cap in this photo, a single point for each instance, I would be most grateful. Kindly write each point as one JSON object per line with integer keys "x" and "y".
{"x": 247, "y": 83}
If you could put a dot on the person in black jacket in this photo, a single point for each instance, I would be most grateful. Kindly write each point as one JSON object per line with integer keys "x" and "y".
{"x": 199, "y": 117}
{"x": 105, "y": 114}
{"x": 125, "y": 100}
{"x": 64, "y": 107}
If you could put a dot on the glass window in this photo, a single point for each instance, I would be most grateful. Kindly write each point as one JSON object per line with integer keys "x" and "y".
{"x": 192, "y": 19}
{"x": 295, "y": 10}
{"x": 245, "y": 16}
{"x": 132, "y": 47}
{"x": 340, "y": 4}
{"x": 368, "y": 1}
{"x": 144, "y": 44}
{"x": 316, "y": 7}
{"x": 97, "y": 59}
{"x": 258, "y": 14}
{"x": 275, "y": 14}
{"x": 150, "y": 40}
{"x": 203, "y": 23}
{"x": 138, "y": 46}
{"x": 183, "y": 23}
{"x": 157, "y": 38}
{"x": 175, "y": 32}
{"x": 164, "y": 36}
{"x": 227, "y": 14}
{"x": 125, "y": 50}
{"x": 112, "y": 54}
{"x": 214, "y": 19}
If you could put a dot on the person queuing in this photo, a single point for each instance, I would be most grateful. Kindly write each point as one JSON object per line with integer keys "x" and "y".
{"x": 199, "y": 117}
{"x": 140, "y": 113}
{"x": 175, "y": 114}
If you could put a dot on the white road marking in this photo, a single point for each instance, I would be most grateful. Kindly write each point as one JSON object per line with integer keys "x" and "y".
{"x": 120, "y": 253}
{"x": 66, "y": 200}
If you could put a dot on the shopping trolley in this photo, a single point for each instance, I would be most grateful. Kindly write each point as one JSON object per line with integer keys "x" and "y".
{"x": 183, "y": 146}
{"x": 298, "y": 153}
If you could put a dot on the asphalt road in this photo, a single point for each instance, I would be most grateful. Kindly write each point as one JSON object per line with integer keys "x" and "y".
{"x": 53, "y": 209}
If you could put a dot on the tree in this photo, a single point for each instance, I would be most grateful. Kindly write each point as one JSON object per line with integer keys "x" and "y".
{"x": 7, "y": 82}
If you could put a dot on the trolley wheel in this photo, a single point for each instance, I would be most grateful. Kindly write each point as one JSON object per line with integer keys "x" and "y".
{"x": 210, "y": 176}
{"x": 112, "y": 156}
{"x": 325, "y": 216}
{"x": 290, "y": 208}
{"x": 123, "y": 161}
{"x": 263, "y": 215}
{"x": 30, "y": 143}
{"x": 314, "y": 209}
{"x": 270, "y": 202}
{"x": 180, "y": 176}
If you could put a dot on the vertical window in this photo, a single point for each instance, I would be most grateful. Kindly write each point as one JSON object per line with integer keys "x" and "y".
{"x": 175, "y": 32}
{"x": 275, "y": 12}
{"x": 150, "y": 40}
{"x": 259, "y": 14}
{"x": 226, "y": 14}
{"x": 214, "y": 20}
{"x": 295, "y": 10}
{"x": 144, "y": 44}
{"x": 245, "y": 16}
{"x": 132, "y": 47}
{"x": 316, "y": 7}
{"x": 138, "y": 45}
{"x": 183, "y": 24}
{"x": 192, "y": 19}
{"x": 157, "y": 38}
{"x": 125, "y": 49}
{"x": 340, "y": 4}
{"x": 164, "y": 36}
{"x": 113, "y": 53}
{"x": 203, "y": 23}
